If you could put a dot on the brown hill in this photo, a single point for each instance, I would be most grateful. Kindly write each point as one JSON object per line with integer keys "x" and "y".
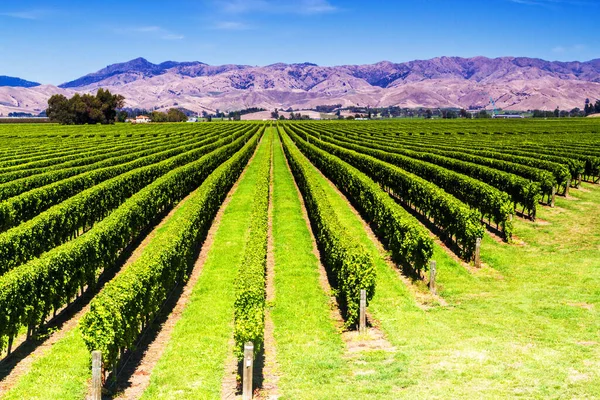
{"x": 514, "y": 83}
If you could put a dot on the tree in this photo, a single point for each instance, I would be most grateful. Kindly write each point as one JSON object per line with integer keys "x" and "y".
{"x": 597, "y": 107}
{"x": 428, "y": 114}
{"x": 59, "y": 110}
{"x": 157, "y": 116}
{"x": 176, "y": 115}
{"x": 588, "y": 109}
{"x": 122, "y": 116}
{"x": 464, "y": 113}
{"x": 576, "y": 112}
{"x": 85, "y": 109}
{"x": 275, "y": 114}
{"x": 556, "y": 112}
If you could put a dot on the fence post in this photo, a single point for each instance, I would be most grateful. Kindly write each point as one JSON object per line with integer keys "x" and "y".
{"x": 362, "y": 327}
{"x": 578, "y": 181}
{"x": 96, "y": 375}
{"x": 553, "y": 196}
{"x": 432, "y": 276}
{"x": 567, "y": 187}
{"x": 478, "y": 252}
{"x": 248, "y": 366}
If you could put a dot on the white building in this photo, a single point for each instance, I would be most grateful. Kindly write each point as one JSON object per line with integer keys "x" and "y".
{"x": 142, "y": 119}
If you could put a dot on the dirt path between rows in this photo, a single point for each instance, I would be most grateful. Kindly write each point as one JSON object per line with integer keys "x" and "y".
{"x": 139, "y": 378}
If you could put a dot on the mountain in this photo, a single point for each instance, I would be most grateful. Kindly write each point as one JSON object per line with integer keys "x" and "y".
{"x": 16, "y": 82}
{"x": 514, "y": 82}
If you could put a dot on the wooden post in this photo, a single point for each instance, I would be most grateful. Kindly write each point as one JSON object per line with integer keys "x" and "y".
{"x": 553, "y": 196}
{"x": 362, "y": 327}
{"x": 578, "y": 181}
{"x": 432, "y": 276}
{"x": 478, "y": 253}
{"x": 567, "y": 187}
{"x": 248, "y": 366}
{"x": 96, "y": 375}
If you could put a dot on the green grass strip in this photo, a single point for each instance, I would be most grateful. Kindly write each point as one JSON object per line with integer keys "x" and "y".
{"x": 309, "y": 349}
{"x": 62, "y": 373}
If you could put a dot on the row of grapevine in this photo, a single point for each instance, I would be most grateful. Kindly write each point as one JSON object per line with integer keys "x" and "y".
{"x": 521, "y": 190}
{"x": 250, "y": 284}
{"x": 65, "y": 220}
{"x": 455, "y": 219}
{"x": 408, "y": 241}
{"x": 30, "y": 292}
{"x": 493, "y": 204}
{"x": 561, "y": 172}
{"x": 82, "y": 163}
{"x": 351, "y": 267}
{"x": 29, "y": 204}
{"x": 23, "y": 184}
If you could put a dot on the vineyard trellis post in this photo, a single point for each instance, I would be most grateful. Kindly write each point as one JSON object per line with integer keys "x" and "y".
{"x": 362, "y": 327}
{"x": 248, "y": 367}
{"x": 478, "y": 252}
{"x": 432, "y": 276}
{"x": 96, "y": 375}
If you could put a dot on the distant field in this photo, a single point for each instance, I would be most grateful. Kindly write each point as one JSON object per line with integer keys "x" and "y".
{"x": 168, "y": 247}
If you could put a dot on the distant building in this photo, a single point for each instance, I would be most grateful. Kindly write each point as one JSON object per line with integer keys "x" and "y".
{"x": 141, "y": 119}
{"x": 506, "y": 116}
{"x": 192, "y": 119}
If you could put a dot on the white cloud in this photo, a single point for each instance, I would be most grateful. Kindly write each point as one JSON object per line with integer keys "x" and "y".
{"x": 152, "y": 30}
{"x": 231, "y": 26}
{"x": 172, "y": 36}
{"x": 555, "y": 3}
{"x": 306, "y": 7}
{"x": 26, "y": 14}
{"x": 577, "y": 48}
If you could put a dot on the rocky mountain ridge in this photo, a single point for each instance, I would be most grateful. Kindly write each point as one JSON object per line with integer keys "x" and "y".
{"x": 513, "y": 82}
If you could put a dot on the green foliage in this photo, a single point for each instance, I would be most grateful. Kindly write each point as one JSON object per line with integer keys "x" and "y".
{"x": 85, "y": 109}
{"x": 350, "y": 265}
{"x": 408, "y": 241}
{"x": 30, "y": 204}
{"x": 130, "y": 301}
{"x": 490, "y": 201}
{"x": 448, "y": 213}
{"x": 250, "y": 294}
{"x": 65, "y": 220}
{"x": 173, "y": 115}
{"x": 29, "y": 292}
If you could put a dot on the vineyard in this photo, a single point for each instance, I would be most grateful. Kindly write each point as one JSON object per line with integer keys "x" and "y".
{"x": 300, "y": 260}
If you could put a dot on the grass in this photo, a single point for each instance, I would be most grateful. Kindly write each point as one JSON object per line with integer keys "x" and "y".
{"x": 62, "y": 373}
{"x": 309, "y": 348}
{"x": 193, "y": 364}
{"x": 527, "y": 324}
{"x": 524, "y": 325}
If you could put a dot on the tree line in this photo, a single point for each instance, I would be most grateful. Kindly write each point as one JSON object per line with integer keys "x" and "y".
{"x": 85, "y": 109}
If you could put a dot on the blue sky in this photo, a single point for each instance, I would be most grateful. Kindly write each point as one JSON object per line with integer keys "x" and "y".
{"x": 56, "y": 41}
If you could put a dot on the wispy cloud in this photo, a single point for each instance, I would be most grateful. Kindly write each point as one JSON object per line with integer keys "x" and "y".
{"x": 555, "y": 3}
{"x": 231, "y": 26}
{"x": 577, "y": 48}
{"x": 26, "y": 14}
{"x": 153, "y": 30}
{"x": 306, "y": 7}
